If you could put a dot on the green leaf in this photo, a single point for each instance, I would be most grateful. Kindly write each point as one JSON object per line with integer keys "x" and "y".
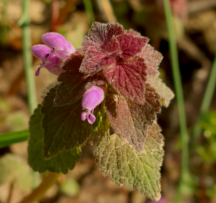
{"x": 63, "y": 127}
{"x": 73, "y": 82}
{"x": 7, "y": 139}
{"x": 125, "y": 165}
{"x": 165, "y": 93}
{"x": 61, "y": 162}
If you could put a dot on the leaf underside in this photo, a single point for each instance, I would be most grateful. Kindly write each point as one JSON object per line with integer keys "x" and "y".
{"x": 124, "y": 165}
{"x": 63, "y": 127}
{"x": 61, "y": 162}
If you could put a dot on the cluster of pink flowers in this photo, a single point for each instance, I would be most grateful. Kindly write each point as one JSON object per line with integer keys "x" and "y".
{"x": 53, "y": 54}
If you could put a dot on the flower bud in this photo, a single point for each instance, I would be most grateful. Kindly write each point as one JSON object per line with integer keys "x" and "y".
{"x": 91, "y": 99}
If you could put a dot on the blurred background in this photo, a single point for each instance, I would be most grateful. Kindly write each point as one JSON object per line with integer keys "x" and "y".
{"x": 194, "y": 22}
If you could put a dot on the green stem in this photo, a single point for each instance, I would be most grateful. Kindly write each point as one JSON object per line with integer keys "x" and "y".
{"x": 26, "y": 38}
{"x": 206, "y": 101}
{"x": 179, "y": 95}
{"x": 89, "y": 11}
{"x": 39, "y": 192}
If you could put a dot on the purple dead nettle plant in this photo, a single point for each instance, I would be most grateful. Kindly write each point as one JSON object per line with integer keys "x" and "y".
{"x": 109, "y": 86}
{"x": 54, "y": 54}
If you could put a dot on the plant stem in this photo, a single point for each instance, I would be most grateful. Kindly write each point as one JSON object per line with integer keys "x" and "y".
{"x": 89, "y": 11}
{"x": 179, "y": 95}
{"x": 39, "y": 192}
{"x": 26, "y": 38}
{"x": 206, "y": 101}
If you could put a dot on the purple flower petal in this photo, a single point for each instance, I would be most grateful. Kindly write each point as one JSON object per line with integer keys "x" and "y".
{"x": 41, "y": 51}
{"x": 91, "y": 118}
{"x": 92, "y": 98}
{"x": 61, "y": 47}
{"x": 53, "y": 64}
{"x": 84, "y": 116}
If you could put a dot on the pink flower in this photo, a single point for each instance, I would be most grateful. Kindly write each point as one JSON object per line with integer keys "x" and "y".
{"x": 54, "y": 54}
{"x": 91, "y": 99}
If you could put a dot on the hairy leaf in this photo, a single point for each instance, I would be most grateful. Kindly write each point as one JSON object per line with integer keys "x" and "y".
{"x": 120, "y": 118}
{"x": 152, "y": 59}
{"x": 61, "y": 162}
{"x": 92, "y": 61}
{"x": 128, "y": 78}
{"x": 131, "y": 45}
{"x": 100, "y": 34}
{"x": 146, "y": 114}
{"x": 129, "y": 119}
{"x": 73, "y": 82}
{"x": 124, "y": 165}
{"x": 63, "y": 127}
{"x": 165, "y": 93}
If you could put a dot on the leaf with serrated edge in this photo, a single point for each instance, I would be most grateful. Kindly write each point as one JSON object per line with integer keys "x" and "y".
{"x": 124, "y": 165}
{"x": 92, "y": 61}
{"x": 63, "y": 127}
{"x": 165, "y": 92}
{"x": 73, "y": 82}
{"x": 128, "y": 78}
{"x": 152, "y": 59}
{"x": 61, "y": 162}
{"x": 146, "y": 114}
{"x": 100, "y": 34}
{"x": 120, "y": 118}
{"x": 131, "y": 45}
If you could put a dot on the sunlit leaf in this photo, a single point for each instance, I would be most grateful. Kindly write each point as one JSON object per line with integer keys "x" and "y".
{"x": 128, "y": 78}
{"x": 124, "y": 165}
{"x": 63, "y": 127}
{"x": 61, "y": 162}
{"x": 165, "y": 93}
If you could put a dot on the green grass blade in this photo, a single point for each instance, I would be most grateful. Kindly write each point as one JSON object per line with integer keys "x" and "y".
{"x": 206, "y": 101}
{"x": 89, "y": 11}
{"x": 7, "y": 139}
{"x": 179, "y": 95}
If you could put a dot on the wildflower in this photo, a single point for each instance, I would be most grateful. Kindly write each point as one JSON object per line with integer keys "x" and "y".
{"x": 91, "y": 99}
{"x": 54, "y": 54}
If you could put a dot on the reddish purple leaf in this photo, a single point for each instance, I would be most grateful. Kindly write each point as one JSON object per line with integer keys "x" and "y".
{"x": 120, "y": 118}
{"x": 128, "y": 78}
{"x": 146, "y": 114}
{"x": 132, "y": 32}
{"x": 100, "y": 34}
{"x": 152, "y": 59}
{"x": 73, "y": 83}
{"x": 131, "y": 45}
{"x": 92, "y": 61}
{"x": 113, "y": 46}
